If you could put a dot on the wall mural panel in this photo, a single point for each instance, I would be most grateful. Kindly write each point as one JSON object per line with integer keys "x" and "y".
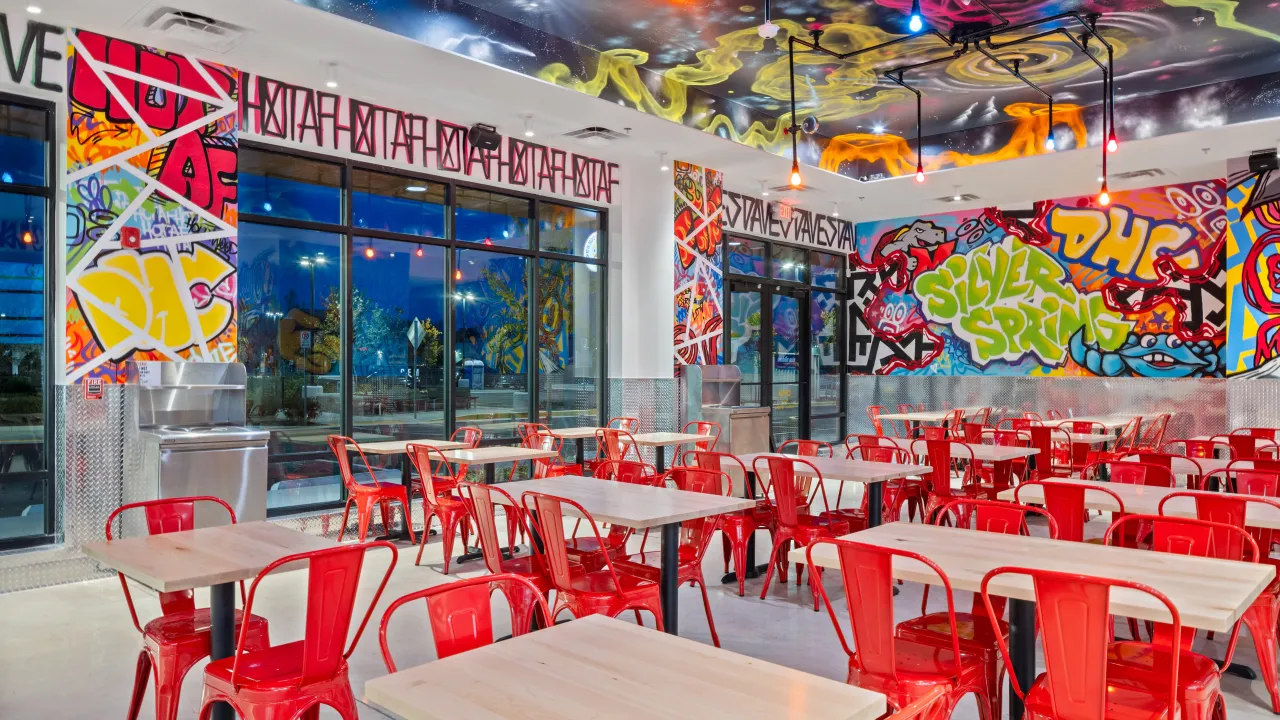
{"x": 1253, "y": 270}
{"x": 151, "y": 207}
{"x": 1137, "y": 289}
{"x": 699, "y": 276}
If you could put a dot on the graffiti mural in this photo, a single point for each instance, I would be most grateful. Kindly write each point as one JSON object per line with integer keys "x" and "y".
{"x": 1134, "y": 289}
{"x": 699, "y": 276}
{"x": 151, "y": 207}
{"x": 1253, "y": 270}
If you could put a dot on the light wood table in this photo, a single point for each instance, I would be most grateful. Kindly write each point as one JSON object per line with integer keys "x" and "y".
{"x": 1210, "y": 594}
{"x": 598, "y": 667}
{"x": 401, "y": 447}
{"x": 1145, "y": 500}
{"x": 638, "y": 507}
{"x": 660, "y": 440}
{"x": 1198, "y": 466}
{"x": 1001, "y": 457}
{"x": 1113, "y": 421}
{"x": 577, "y": 435}
{"x": 916, "y": 418}
{"x": 214, "y": 557}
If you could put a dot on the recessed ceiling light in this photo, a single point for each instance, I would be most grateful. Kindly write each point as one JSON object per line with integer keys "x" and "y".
{"x": 528, "y": 131}
{"x": 331, "y": 76}
{"x": 415, "y": 188}
{"x": 34, "y": 9}
{"x": 956, "y": 198}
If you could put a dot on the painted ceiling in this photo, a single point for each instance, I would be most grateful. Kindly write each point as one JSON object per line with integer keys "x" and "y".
{"x": 704, "y": 65}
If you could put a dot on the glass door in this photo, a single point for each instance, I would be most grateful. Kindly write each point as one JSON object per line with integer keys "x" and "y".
{"x": 788, "y": 363}
{"x": 745, "y": 338}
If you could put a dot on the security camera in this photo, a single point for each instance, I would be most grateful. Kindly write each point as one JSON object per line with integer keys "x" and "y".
{"x": 768, "y": 31}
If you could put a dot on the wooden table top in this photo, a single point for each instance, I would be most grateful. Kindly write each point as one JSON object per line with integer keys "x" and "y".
{"x": 204, "y": 557}
{"x": 1145, "y": 500}
{"x": 1196, "y": 466}
{"x": 1210, "y": 594}
{"x": 575, "y": 433}
{"x": 399, "y": 447}
{"x": 633, "y": 506}
{"x": 928, "y": 415}
{"x": 1111, "y": 422}
{"x": 659, "y": 439}
{"x": 861, "y": 471}
{"x": 985, "y": 453}
{"x": 598, "y": 667}
{"x": 1083, "y": 438}
{"x": 488, "y": 455}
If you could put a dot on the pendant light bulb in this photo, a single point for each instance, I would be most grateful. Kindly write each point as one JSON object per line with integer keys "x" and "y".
{"x": 916, "y": 24}
{"x": 919, "y": 172}
{"x": 1050, "y": 144}
{"x": 796, "y": 179}
{"x": 528, "y": 131}
{"x": 662, "y": 162}
{"x": 368, "y": 252}
{"x": 1104, "y": 197}
{"x": 418, "y": 252}
{"x": 835, "y": 210}
{"x": 1113, "y": 143}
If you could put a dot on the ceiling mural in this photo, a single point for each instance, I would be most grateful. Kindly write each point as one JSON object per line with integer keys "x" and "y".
{"x": 1180, "y": 65}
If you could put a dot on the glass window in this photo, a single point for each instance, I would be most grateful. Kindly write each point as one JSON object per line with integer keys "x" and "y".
{"x": 570, "y": 230}
{"x": 492, "y": 219}
{"x": 828, "y": 270}
{"x": 398, "y": 204}
{"x": 24, "y": 154}
{"x": 789, "y": 263}
{"x": 569, "y": 372}
{"x": 491, "y": 321}
{"x": 397, "y": 353}
{"x": 744, "y": 342}
{"x": 290, "y": 304}
{"x": 746, "y": 257}
{"x": 286, "y": 186}
{"x": 824, "y": 348}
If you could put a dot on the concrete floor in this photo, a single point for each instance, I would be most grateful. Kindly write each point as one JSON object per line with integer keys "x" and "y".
{"x": 69, "y": 651}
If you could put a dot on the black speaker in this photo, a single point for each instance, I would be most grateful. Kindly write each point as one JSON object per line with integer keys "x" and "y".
{"x": 485, "y": 137}
{"x": 1264, "y": 161}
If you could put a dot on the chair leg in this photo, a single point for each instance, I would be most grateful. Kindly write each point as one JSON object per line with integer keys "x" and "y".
{"x": 740, "y": 563}
{"x": 706, "y": 604}
{"x": 408, "y": 518}
{"x": 726, "y": 544}
{"x": 639, "y": 620}
{"x": 169, "y": 674}
{"x": 428, "y": 513}
{"x": 141, "y": 676}
{"x": 815, "y": 577}
{"x": 346, "y": 513}
{"x": 1261, "y": 621}
{"x": 768, "y": 577}
{"x": 384, "y": 506}
{"x": 364, "y": 513}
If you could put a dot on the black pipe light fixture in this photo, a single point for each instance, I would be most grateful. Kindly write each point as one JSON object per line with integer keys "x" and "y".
{"x": 965, "y": 38}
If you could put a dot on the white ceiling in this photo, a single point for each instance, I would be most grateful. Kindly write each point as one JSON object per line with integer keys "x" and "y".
{"x": 294, "y": 43}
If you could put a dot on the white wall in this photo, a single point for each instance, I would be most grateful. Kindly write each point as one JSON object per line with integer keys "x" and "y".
{"x": 641, "y": 275}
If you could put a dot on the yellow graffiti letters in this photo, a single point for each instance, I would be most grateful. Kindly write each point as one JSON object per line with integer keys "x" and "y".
{"x": 1121, "y": 242}
{"x": 1010, "y": 300}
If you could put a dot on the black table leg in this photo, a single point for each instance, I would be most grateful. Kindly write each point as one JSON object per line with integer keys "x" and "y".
{"x": 582, "y": 458}
{"x": 875, "y": 504}
{"x": 406, "y": 479}
{"x": 662, "y": 458}
{"x": 753, "y": 571}
{"x": 222, "y": 634}
{"x": 474, "y": 553}
{"x": 1022, "y": 647}
{"x": 490, "y": 473}
{"x": 669, "y": 583}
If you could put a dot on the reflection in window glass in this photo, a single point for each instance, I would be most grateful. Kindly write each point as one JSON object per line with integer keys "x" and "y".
{"x": 569, "y": 230}
{"x": 789, "y": 263}
{"x": 569, "y": 372}
{"x": 290, "y": 315}
{"x": 824, "y": 348}
{"x": 24, "y": 156}
{"x": 397, "y": 352}
{"x": 287, "y": 186}
{"x": 492, "y": 219}
{"x": 828, "y": 270}
{"x": 398, "y": 204}
{"x": 744, "y": 343}
{"x": 491, "y": 320}
{"x": 746, "y": 257}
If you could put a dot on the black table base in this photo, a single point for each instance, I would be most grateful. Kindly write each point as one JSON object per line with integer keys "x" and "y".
{"x": 222, "y": 634}
{"x": 474, "y": 553}
{"x": 1022, "y": 648}
{"x": 669, "y": 583}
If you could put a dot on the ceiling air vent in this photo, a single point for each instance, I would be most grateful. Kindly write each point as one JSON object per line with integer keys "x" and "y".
{"x": 787, "y": 188}
{"x": 595, "y": 136}
{"x": 965, "y": 198}
{"x": 1148, "y": 173}
{"x": 193, "y": 29}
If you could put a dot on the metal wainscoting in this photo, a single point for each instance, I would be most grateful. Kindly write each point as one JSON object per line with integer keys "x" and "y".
{"x": 657, "y": 402}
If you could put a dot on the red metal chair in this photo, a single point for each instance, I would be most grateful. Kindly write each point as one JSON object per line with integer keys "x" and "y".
{"x": 977, "y": 635}
{"x": 1053, "y": 415}
{"x": 910, "y": 492}
{"x": 365, "y": 496}
{"x": 895, "y": 493}
{"x": 437, "y": 501}
{"x": 616, "y": 445}
{"x": 703, "y": 427}
{"x": 1132, "y": 472}
{"x": 932, "y": 704}
{"x": 461, "y": 614}
{"x": 1088, "y": 677}
{"x": 603, "y": 591}
{"x": 1153, "y": 437}
{"x": 624, "y": 422}
{"x": 292, "y": 680}
{"x": 548, "y": 467}
{"x": 943, "y": 460}
{"x": 695, "y": 537}
{"x": 873, "y": 414}
{"x": 1065, "y": 502}
{"x": 1204, "y": 449}
{"x": 982, "y": 417}
{"x": 1263, "y": 615}
{"x": 1034, "y": 416}
{"x": 1125, "y": 445}
{"x": 736, "y": 528}
{"x": 174, "y": 642}
{"x": 1236, "y": 478}
{"x": 1080, "y": 454}
{"x": 903, "y": 670}
{"x": 469, "y": 435}
{"x": 481, "y": 499}
{"x": 807, "y": 448}
{"x": 795, "y": 525}
{"x": 525, "y": 429}
{"x": 951, "y": 425}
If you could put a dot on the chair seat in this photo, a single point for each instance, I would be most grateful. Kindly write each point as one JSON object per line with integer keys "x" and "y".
{"x": 380, "y": 486}
{"x": 277, "y": 668}
{"x": 823, "y": 521}
{"x": 974, "y": 630}
{"x": 648, "y": 565}
{"x": 599, "y": 582}
{"x": 185, "y": 627}
{"x": 921, "y": 664}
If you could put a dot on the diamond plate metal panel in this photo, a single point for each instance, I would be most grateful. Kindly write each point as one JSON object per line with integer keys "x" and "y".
{"x": 657, "y": 402}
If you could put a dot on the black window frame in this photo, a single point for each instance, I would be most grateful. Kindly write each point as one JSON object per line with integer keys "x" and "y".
{"x": 52, "y": 240}
{"x": 351, "y": 234}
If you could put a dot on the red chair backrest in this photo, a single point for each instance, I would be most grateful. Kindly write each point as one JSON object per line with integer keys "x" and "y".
{"x": 1260, "y": 433}
{"x": 544, "y": 441}
{"x": 628, "y": 471}
{"x": 704, "y": 427}
{"x": 1230, "y": 509}
{"x": 469, "y": 435}
{"x": 546, "y": 515}
{"x": 1032, "y": 416}
{"x": 525, "y": 429}
{"x": 867, "y": 573}
{"x": 807, "y": 448}
{"x": 972, "y": 432}
{"x": 333, "y": 577}
{"x": 429, "y": 462}
{"x": 1065, "y": 502}
{"x": 460, "y": 613}
{"x": 1074, "y": 616}
{"x": 1236, "y": 478}
{"x": 942, "y": 454}
{"x": 787, "y": 489}
{"x": 1205, "y": 448}
{"x": 1131, "y": 472}
{"x": 1011, "y": 438}
{"x": 697, "y": 533}
{"x": 935, "y": 432}
{"x": 340, "y": 446}
{"x": 879, "y": 453}
{"x": 983, "y": 416}
{"x": 996, "y": 516}
{"x": 1128, "y": 440}
{"x": 624, "y": 422}
{"x": 1042, "y": 441}
{"x": 616, "y": 443}
{"x": 166, "y": 515}
{"x": 1153, "y": 436}
{"x": 873, "y": 414}
{"x": 481, "y": 500}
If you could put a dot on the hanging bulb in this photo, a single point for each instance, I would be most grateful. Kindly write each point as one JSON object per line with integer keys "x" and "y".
{"x": 457, "y": 274}
{"x": 418, "y": 252}
{"x": 28, "y": 232}
{"x": 919, "y": 172}
{"x": 1113, "y": 144}
{"x": 917, "y": 22}
{"x": 796, "y": 179}
{"x": 1049, "y": 144}
{"x": 1104, "y": 197}
{"x": 368, "y": 252}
